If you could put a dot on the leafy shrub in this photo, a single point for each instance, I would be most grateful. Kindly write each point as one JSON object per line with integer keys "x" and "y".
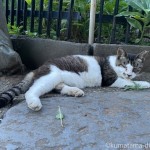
{"x": 139, "y": 18}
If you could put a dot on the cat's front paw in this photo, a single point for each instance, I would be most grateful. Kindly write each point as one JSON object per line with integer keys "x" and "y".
{"x": 77, "y": 93}
{"x": 143, "y": 84}
{"x": 72, "y": 91}
{"x": 146, "y": 84}
{"x": 34, "y": 104}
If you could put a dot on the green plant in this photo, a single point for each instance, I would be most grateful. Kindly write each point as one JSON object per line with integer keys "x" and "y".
{"x": 79, "y": 28}
{"x": 60, "y": 116}
{"x": 109, "y": 6}
{"x": 133, "y": 87}
{"x": 31, "y": 34}
{"x": 37, "y": 2}
{"x": 13, "y": 29}
{"x": 139, "y": 18}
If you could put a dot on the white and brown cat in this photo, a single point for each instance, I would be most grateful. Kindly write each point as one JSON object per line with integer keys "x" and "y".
{"x": 70, "y": 74}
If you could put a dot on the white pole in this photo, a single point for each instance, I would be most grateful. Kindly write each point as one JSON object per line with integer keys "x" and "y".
{"x": 92, "y": 21}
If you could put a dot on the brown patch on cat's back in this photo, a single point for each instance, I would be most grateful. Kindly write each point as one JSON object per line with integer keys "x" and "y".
{"x": 41, "y": 71}
{"x": 70, "y": 63}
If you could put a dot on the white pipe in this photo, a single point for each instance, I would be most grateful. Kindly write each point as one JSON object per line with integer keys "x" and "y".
{"x": 92, "y": 21}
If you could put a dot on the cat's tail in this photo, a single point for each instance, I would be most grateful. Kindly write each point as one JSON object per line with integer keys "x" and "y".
{"x": 8, "y": 96}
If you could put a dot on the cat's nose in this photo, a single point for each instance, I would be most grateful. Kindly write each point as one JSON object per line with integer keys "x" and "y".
{"x": 129, "y": 75}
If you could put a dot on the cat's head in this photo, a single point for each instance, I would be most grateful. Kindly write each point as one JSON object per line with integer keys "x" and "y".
{"x": 129, "y": 65}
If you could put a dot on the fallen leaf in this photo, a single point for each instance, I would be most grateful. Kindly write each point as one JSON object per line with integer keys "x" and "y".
{"x": 60, "y": 116}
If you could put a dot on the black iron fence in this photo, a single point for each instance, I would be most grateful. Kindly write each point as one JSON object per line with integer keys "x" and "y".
{"x": 55, "y": 21}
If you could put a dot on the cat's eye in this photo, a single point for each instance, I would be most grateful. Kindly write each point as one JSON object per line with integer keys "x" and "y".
{"x": 136, "y": 64}
{"x": 137, "y": 69}
{"x": 124, "y": 63}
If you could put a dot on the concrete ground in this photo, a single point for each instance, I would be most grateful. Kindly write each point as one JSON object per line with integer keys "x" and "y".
{"x": 104, "y": 119}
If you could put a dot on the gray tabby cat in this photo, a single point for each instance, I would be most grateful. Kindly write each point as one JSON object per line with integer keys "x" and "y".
{"x": 70, "y": 74}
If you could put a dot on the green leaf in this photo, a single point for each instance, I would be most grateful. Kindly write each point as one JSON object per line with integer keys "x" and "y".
{"x": 147, "y": 19}
{"x": 136, "y": 4}
{"x": 140, "y": 5}
{"x": 60, "y": 116}
{"x": 28, "y": 2}
{"x": 137, "y": 41}
{"x": 128, "y": 13}
{"x": 133, "y": 87}
{"x": 134, "y": 23}
{"x": 147, "y": 2}
{"x": 147, "y": 27}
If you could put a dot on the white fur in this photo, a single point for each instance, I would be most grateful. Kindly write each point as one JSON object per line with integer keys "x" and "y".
{"x": 41, "y": 86}
{"x": 129, "y": 69}
{"x": 48, "y": 82}
{"x": 72, "y": 91}
{"x": 70, "y": 82}
{"x": 29, "y": 75}
{"x": 121, "y": 83}
{"x": 85, "y": 79}
{"x": 143, "y": 84}
{"x": 121, "y": 71}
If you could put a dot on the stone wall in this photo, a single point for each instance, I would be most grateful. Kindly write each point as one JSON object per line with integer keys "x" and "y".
{"x": 35, "y": 51}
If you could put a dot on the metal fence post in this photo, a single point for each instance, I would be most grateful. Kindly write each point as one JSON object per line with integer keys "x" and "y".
{"x": 92, "y": 21}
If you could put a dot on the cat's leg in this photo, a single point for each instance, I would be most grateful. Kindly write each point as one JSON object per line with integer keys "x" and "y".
{"x": 41, "y": 86}
{"x": 68, "y": 90}
{"x": 143, "y": 84}
{"x": 121, "y": 83}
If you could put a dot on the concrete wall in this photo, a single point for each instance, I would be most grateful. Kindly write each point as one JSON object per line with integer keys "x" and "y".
{"x": 35, "y": 51}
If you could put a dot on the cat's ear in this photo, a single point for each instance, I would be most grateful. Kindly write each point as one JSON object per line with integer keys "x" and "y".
{"x": 142, "y": 55}
{"x": 121, "y": 52}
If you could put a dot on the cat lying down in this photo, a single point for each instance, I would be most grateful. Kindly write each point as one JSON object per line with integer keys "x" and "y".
{"x": 70, "y": 74}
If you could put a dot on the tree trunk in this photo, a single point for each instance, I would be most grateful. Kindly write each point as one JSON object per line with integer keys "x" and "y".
{"x": 10, "y": 61}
